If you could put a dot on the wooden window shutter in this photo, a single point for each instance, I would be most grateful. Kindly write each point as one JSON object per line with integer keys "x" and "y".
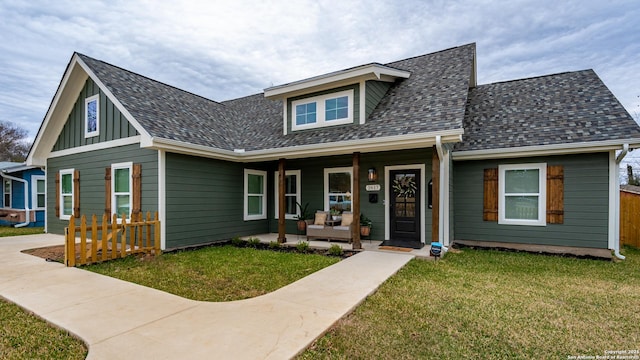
{"x": 490, "y": 208}
{"x": 555, "y": 194}
{"x": 76, "y": 193}
{"x": 137, "y": 191}
{"x": 107, "y": 191}
{"x": 57, "y": 207}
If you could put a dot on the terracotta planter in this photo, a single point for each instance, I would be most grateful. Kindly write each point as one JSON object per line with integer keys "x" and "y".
{"x": 302, "y": 225}
{"x": 365, "y": 230}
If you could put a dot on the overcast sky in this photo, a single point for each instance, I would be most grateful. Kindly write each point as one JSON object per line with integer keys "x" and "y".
{"x": 228, "y": 49}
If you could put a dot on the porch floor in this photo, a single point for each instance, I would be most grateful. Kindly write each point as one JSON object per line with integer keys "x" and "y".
{"x": 367, "y": 245}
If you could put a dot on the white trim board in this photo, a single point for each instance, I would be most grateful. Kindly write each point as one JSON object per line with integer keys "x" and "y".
{"x": 98, "y": 146}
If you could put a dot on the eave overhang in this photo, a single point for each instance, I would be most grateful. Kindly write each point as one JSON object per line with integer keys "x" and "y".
{"x": 390, "y": 143}
{"x": 335, "y": 79}
{"x": 545, "y": 150}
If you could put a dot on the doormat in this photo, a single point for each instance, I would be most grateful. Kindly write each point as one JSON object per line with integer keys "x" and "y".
{"x": 394, "y": 248}
{"x": 403, "y": 244}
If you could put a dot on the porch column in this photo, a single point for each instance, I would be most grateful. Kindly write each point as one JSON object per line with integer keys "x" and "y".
{"x": 435, "y": 195}
{"x": 355, "y": 201}
{"x": 281, "y": 202}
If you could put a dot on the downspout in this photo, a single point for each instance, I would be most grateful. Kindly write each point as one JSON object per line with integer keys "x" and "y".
{"x": 616, "y": 243}
{"x": 26, "y": 198}
{"x": 442, "y": 189}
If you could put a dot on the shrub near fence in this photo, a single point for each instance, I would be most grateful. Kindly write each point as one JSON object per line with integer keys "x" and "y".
{"x": 108, "y": 241}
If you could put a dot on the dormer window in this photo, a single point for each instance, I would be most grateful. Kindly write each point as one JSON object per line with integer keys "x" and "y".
{"x": 323, "y": 110}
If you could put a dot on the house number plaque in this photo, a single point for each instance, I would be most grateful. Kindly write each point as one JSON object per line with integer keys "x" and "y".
{"x": 374, "y": 187}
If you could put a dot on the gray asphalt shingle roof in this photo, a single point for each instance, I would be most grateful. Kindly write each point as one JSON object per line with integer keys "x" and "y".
{"x": 432, "y": 99}
{"x": 554, "y": 109}
{"x": 562, "y": 108}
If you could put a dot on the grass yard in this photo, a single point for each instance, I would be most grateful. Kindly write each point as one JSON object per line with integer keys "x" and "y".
{"x": 11, "y": 231}
{"x": 219, "y": 273}
{"x": 24, "y": 336}
{"x": 498, "y": 305}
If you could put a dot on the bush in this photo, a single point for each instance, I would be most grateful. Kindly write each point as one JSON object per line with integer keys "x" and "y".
{"x": 253, "y": 242}
{"x": 274, "y": 245}
{"x": 237, "y": 242}
{"x": 335, "y": 250}
{"x": 302, "y": 247}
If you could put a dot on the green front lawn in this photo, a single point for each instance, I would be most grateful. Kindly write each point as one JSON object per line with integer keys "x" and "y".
{"x": 24, "y": 336}
{"x": 219, "y": 273}
{"x": 11, "y": 231}
{"x": 490, "y": 304}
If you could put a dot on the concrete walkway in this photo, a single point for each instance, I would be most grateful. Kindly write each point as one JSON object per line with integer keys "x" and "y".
{"x": 121, "y": 320}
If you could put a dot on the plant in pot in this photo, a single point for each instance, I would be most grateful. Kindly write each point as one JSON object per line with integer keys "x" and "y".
{"x": 335, "y": 214}
{"x": 303, "y": 216}
{"x": 365, "y": 225}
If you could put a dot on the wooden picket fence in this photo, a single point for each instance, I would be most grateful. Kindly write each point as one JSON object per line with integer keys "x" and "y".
{"x": 108, "y": 241}
{"x": 630, "y": 218}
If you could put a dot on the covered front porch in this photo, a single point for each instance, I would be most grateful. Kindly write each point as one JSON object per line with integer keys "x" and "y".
{"x": 366, "y": 244}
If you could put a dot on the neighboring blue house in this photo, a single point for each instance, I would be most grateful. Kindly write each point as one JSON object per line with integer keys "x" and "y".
{"x": 23, "y": 200}
{"x": 415, "y": 145}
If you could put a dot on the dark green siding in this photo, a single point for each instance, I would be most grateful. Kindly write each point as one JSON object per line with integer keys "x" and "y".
{"x": 312, "y": 184}
{"x": 375, "y": 91}
{"x": 586, "y": 199}
{"x": 204, "y": 201}
{"x": 113, "y": 125}
{"x": 356, "y": 103}
{"x": 92, "y": 166}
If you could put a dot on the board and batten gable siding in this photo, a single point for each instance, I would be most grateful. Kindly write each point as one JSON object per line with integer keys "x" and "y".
{"x": 586, "y": 200}
{"x": 375, "y": 91}
{"x": 113, "y": 125}
{"x": 91, "y": 166}
{"x": 204, "y": 201}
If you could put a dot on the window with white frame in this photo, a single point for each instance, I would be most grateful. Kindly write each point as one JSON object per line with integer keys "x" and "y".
{"x": 323, "y": 110}
{"x": 121, "y": 185}
{"x": 292, "y": 193}
{"x": 338, "y": 184}
{"x": 522, "y": 194}
{"x": 38, "y": 191}
{"x": 66, "y": 194}
{"x": 92, "y": 116}
{"x": 255, "y": 190}
{"x": 6, "y": 191}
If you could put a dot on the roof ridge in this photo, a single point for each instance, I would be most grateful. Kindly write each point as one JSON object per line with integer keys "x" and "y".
{"x": 148, "y": 78}
{"x": 431, "y": 53}
{"x": 537, "y": 77}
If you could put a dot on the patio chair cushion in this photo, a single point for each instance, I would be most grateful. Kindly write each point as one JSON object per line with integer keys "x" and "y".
{"x": 315, "y": 227}
{"x": 347, "y": 219}
{"x": 320, "y": 219}
{"x": 342, "y": 228}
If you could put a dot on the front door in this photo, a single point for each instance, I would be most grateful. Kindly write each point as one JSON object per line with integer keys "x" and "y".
{"x": 405, "y": 205}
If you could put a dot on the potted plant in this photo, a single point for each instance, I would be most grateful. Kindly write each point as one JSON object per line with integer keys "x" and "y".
{"x": 302, "y": 216}
{"x": 335, "y": 214}
{"x": 365, "y": 225}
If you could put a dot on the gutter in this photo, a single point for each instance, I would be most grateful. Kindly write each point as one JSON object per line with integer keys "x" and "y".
{"x": 442, "y": 189}
{"x": 616, "y": 244}
{"x": 26, "y": 198}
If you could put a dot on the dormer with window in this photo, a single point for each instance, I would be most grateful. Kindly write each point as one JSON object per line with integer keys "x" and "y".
{"x": 339, "y": 98}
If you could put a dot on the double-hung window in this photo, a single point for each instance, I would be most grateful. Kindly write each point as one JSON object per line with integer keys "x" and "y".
{"x": 121, "y": 185}
{"x": 6, "y": 190}
{"x": 66, "y": 194}
{"x": 338, "y": 184}
{"x": 255, "y": 190}
{"x": 91, "y": 116}
{"x": 323, "y": 110}
{"x": 292, "y": 193}
{"x": 522, "y": 194}
{"x": 38, "y": 192}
